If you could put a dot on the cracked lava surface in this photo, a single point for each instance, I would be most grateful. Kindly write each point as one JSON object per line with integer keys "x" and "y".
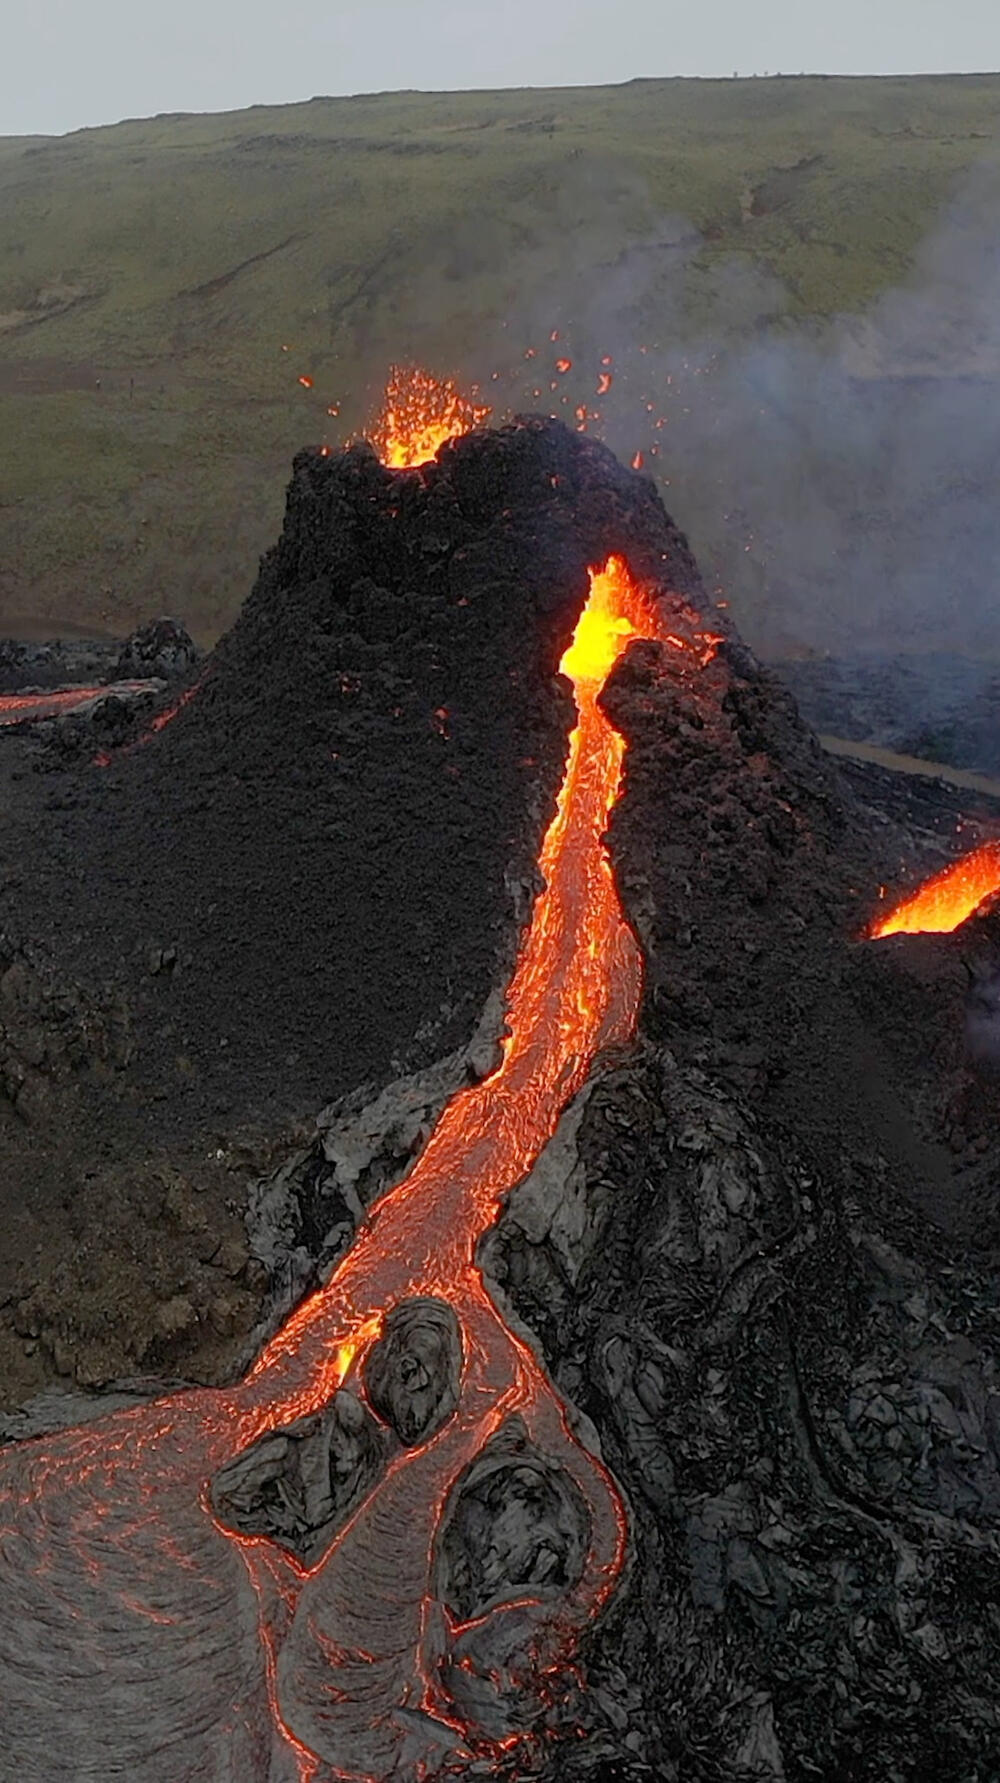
{"x": 143, "y": 1637}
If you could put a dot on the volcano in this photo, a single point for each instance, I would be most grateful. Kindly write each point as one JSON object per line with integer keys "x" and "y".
{"x": 622, "y": 1400}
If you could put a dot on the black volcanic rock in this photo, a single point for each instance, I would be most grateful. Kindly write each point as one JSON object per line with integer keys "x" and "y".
{"x": 326, "y": 833}
{"x": 72, "y": 662}
{"x": 162, "y": 650}
{"x": 334, "y": 838}
{"x": 765, "y": 1267}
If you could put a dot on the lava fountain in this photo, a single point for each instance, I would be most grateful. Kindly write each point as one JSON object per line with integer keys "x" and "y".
{"x": 419, "y": 414}
{"x": 179, "y": 1606}
{"x": 946, "y": 900}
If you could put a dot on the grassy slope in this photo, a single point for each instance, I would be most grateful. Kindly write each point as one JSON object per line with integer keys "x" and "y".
{"x": 174, "y": 259}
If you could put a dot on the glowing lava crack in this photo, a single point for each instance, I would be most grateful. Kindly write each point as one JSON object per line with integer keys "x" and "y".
{"x": 947, "y": 899}
{"x": 287, "y": 1579}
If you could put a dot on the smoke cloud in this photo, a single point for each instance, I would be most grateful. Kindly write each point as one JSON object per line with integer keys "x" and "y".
{"x": 839, "y": 484}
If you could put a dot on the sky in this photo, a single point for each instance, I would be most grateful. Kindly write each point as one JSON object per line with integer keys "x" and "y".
{"x": 68, "y": 64}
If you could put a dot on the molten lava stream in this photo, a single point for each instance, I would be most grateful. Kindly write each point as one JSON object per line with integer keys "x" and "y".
{"x": 344, "y": 1667}
{"x": 22, "y": 708}
{"x": 575, "y": 991}
{"x": 947, "y": 899}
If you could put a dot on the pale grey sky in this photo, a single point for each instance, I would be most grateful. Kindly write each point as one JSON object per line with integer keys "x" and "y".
{"x": 69, "y": 63}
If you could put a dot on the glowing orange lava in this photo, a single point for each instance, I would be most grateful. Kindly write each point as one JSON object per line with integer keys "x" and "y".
{"x": 575, "y": 990}
{"x": 944, "y": 902}
{"x": 157, "y": 723}
{"x": 21, "y": 708}
{"x": 603, "y": 629}
{"x": 574, "y": 994}
{"x": 28, "y": 708}
{"x": 419, "y": 414}
{"x": 353, "y": 1655}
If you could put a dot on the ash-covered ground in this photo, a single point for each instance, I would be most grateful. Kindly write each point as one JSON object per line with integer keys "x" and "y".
{"x": 760, "y": 1253}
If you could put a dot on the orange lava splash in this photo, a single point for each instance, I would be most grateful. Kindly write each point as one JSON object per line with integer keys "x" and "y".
{"x": 945, "y": 901}
{"x": 419, "y": 414}
{"x": 353, "y": 1655}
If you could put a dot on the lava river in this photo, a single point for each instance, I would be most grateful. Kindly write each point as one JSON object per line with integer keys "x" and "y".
{"x": 29, "y": 708}
{"x": 144, "y": 1637}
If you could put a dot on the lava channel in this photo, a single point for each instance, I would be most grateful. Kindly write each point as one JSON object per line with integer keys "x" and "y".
{"x": 145, "y": 1635}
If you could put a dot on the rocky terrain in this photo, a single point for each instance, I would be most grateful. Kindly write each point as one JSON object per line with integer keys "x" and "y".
{"x": 939, "y": 707}
{"x": 759, "y": 1256}
{"x": 318, "y": 870}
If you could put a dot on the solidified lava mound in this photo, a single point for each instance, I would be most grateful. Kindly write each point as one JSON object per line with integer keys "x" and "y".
{"x": 311, "y": 878}
{"x": 325, "y": 837}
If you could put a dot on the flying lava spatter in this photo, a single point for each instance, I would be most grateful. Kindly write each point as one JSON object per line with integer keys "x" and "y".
{"x": 355, "y": 1653}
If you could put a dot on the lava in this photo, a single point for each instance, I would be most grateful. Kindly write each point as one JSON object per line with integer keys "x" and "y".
{"x": 351, "y": 1667}
{"x": 28, "y": 708}
{"x": 575, "y": 992}
{"x": 157, "y": 723}
{"x": 946, "y": 900}
{"x": 420, "y": 414}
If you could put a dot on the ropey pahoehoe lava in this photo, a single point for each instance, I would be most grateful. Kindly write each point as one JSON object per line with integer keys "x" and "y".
{"x": 224, "y": 1613}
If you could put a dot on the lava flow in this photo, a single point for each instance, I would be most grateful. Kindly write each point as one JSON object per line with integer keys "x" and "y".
{"x": 157, "y": 723}
{"x": 28, "y": 708}
{"x": 201, "y": 1649}
{"x": 575, "y": 992}
{"x": 947, "y": 899}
